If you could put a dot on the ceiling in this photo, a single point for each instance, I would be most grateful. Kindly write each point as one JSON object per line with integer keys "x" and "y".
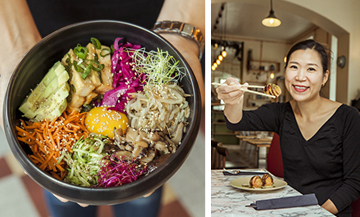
{"x": 242, "y": 19}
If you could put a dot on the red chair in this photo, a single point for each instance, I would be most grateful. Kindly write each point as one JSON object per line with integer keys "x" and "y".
{"x": 356, "y": 208}
{"x": 274, "y": 158}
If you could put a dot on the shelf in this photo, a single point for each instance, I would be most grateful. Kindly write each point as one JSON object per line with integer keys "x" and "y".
{"x": 268, "y": 99}
{"x": 264, "y": 61}
{"x": 256, "y": 70}
{"x": 224, "y": 134}
{"x": 256, "y": 82}
{"x": 264, "y": 66}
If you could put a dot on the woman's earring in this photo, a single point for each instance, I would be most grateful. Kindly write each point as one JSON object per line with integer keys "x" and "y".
{"x": 323, "y": 84}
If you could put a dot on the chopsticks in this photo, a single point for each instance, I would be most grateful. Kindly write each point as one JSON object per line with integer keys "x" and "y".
{"x": 251, "y": 86}
{"x": 249, "y": 91}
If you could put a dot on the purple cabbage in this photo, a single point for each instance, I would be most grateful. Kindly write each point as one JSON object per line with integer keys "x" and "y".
{"x": 125, "y": 79}
{"x": 115, "y": 172}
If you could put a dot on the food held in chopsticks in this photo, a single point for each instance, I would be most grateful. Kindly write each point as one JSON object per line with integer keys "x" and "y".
{"x": 261, "y": 182}
{"x": 272, "y": 89}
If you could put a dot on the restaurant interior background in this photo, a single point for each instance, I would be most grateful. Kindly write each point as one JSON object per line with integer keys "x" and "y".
{"x": 255, "y": 54}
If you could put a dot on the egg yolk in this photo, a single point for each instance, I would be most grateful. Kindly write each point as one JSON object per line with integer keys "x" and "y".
{"x": 102, "y": 121}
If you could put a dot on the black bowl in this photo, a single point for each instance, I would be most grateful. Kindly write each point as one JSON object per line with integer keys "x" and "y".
{"x": 52, "y": 48}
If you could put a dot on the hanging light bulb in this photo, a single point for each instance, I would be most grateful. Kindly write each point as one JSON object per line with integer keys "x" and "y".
{"x": 224, "y": 53}
{"x": 271, "y": 20}
{"x": 215, "y": 64}
{"x": 218, "y": 61}
{"x": 213, "y": 67}
{"x": 220, "y": 57}
{"x": 272, "y": 75}
{"x": 216, "y": 46}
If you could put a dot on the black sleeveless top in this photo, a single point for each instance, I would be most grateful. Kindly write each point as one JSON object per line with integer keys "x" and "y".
{"x": 327, "y": 164}
{"x": 52, "y": 15}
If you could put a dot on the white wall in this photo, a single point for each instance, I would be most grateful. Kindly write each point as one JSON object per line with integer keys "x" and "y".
{"x": 344, "y": 13}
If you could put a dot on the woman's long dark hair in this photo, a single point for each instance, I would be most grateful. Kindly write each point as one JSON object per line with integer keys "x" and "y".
{"x": 310, "y": 44}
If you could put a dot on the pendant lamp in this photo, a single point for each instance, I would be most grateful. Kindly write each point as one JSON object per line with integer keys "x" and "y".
{"x": 271, "y": 20}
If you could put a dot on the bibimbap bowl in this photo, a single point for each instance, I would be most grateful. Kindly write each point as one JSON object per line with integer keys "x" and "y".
{"x": 36, "y": 63}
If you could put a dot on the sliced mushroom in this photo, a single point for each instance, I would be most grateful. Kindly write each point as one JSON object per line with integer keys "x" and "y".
{"x": 137, "y": 150}
{"x": 177, "y": 135}
{"x": 119, "y": 154}
{"x": 142, "y": 144}
{"x": 172, "y": 148}
{"x": 162, "y": 147}
{"x": 131, "y": 134}
{"x": 154, "y": 136}
{"x": 119, "y": 135}
{"x": 143, "y": 134}
{"x": 129, "y": 148}
{"x": 148, "y": 157}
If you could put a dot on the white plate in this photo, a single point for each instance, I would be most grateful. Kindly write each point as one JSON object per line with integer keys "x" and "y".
{"x": 243, "y": 184}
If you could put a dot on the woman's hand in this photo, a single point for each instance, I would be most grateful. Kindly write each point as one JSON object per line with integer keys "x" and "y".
{"x": 233, "y": 96}
{"x": 65, "y": 200}
{"x": 18, "y": 35}
{"x": 232, "y": 93}
{"x": 330, "y": 206}
{"x": 85, "y": 205}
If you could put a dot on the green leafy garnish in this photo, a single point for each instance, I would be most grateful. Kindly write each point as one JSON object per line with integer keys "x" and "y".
{"x": 159, "y": 65}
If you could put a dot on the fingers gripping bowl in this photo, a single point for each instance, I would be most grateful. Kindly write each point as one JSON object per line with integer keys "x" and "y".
{"x": 42, "y": 57}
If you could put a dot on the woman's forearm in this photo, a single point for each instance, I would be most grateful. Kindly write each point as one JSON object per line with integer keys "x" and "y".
{"x": 188, "y": 11}
{"x": 234, "y": 112}
{"x": 192, "y": 12}
{"x": 18, "y": 30}
{"x": 18, "y": 34}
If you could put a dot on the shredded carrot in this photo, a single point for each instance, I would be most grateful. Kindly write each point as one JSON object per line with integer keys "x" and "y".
{"x": 48, "y": 139}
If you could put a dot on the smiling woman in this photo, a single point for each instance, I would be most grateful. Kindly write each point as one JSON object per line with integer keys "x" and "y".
{"x": 306, "y": 70}
{"x": 316, "y": 134}
{"x": 305, "y": 73}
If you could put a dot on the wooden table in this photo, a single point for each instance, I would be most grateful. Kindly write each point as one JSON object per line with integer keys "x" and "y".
{"x": 227, "y": 201}
{"x": 257, "y": 143}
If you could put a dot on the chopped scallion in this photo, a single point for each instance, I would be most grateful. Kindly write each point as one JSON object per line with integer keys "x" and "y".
{"x": 80, "y": 51}
{"x": 95, "y": 42}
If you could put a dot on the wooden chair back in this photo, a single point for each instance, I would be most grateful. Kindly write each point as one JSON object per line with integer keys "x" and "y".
{"x": 218, "y": 155}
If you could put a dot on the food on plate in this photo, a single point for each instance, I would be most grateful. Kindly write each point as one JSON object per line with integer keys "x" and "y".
{"x": 105, "y": 116}
{"x": 260, "y": 182}
{"x": 255, "y": 182}
{"x": 267, "y": 180}
{"x": 272, "y": 89}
